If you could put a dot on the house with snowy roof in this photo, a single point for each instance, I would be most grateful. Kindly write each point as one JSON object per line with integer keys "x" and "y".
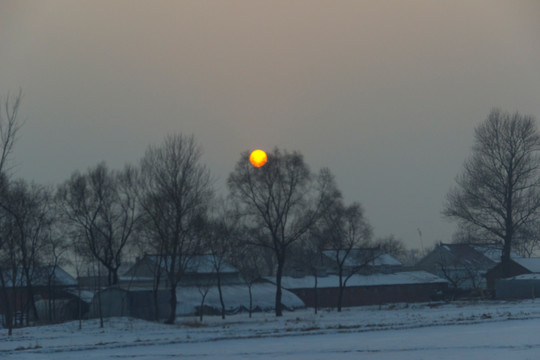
{"x": 464, "y": 265}
{"x": 137, "y": 296}
{"x": 195, "y": 270}
{"x": 366, "y": 289}
{"x": 516, "y": 267}
{"x": 49, "y": 285}
{"x": 369, "y": 276}
{"x": 360, "y": 260}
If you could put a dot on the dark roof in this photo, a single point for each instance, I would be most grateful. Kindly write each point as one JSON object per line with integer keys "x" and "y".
{"x": 468, "y": 254}
{"x": 199, "y": 264}
{"x": 364, "y": 257}
{"x": 40, "y": 277}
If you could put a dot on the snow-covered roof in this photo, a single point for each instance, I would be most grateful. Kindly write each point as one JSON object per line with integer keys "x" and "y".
{"x": 85, "y": 295}
{"x": 531, "y": 264}
{"x": 524, "y": 277}
{"x": 235, "y": 297}
{"x": 492, "y": 251}
{"x": 40, "y": 277}
{"x": 399, "y": 278}
{"x": 201, "y": 264}
{"x": 363, "y": 257}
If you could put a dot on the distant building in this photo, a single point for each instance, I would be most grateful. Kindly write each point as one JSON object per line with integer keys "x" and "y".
{"x": 52, "y": 288}
{"x": 198, "y": 269}
{"x": 464, "y": 265}
{"x": 526, "y": 286}
{"x": 362, "y": 260}
{"x": 367, "y": 289}
{"x": 517, "y": 266}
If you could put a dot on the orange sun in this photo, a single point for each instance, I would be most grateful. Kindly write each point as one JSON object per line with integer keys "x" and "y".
{"x": 258, "y": 158}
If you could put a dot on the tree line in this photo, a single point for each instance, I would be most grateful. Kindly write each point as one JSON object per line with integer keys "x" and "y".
{"x": 282, "y": 211}
{"x": 166, "y": 205}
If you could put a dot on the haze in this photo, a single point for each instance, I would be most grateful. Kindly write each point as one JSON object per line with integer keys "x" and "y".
{"x": 384, "y": 93}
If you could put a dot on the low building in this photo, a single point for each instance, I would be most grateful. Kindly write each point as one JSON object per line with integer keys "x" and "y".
{"x": 517, "y": 266}
{"x": 360, "y": 260}
{"x": 464, "y": 265}
{"x": 525, "y": 286}
{"x": 49, "y": 285}
{"x": 199, "y": 269}
{"x": 140, "y": 303}
{"x": 367, "y": 289}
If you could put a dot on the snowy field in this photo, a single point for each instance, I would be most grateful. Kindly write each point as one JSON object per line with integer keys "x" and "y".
{"x": 481, "y": 330}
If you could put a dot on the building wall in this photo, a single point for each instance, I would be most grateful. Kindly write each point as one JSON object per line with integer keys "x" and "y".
{"x": 517, "y": 289}
{"x": 370, "y": 295}
{"x": 497, "y": 273}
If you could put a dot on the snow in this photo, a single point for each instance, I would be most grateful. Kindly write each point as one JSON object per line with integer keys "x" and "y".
{"x": 332, "y": 281}
{"x": 479, "y": 330}
{"x": 235, "y": 297}
{"x": 525, "y": 277}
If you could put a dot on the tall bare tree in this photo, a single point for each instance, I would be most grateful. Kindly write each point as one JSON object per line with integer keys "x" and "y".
{"x": 281, "y": 199}
{"x": 30, "y": 210}
{"x": 175, "y": 193}
{"x": 220, "y": 240}
{"x": 100, "y": 205}
{"x": 9, "y": 128}
{"x": 499, "y": 189}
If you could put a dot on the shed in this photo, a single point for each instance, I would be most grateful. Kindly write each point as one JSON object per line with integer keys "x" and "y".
{"x": 140, "y": 303}
{"x": 517, "y": 266}
{"x": 115, "y": 301}
{"x": 525, "y": 286}
{"x": 463, "y": 265}
{"x": 198, "y": 268}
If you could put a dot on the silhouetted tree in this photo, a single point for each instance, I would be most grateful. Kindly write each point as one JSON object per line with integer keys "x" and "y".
{"x": 282, "y": 200}
{"x": 498, "y": 191}
{"x": 175, "y": 193}
{"x": 345, "y": 230}
{"x": 9, "y": 128}
{"x": 100, "y": 207}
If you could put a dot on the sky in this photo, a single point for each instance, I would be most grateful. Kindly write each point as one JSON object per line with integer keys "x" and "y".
{"x": 384, "y": 93}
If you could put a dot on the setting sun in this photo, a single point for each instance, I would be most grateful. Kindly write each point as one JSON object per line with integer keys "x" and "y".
{"x": 258, "y": 158}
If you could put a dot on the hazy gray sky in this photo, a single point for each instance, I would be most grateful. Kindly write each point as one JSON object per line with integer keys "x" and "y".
{"x": 384, "y": 93}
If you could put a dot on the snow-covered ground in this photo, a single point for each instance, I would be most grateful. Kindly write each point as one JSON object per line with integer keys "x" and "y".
{"x": 481, "y": 330}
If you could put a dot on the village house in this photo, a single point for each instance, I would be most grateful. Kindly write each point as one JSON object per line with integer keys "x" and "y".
{"x": 516, "y": 267}
{"x": 464, "y": 265}
{"x": 198, "y": 269}
{"x": 366, "y": 289}
{"x": 361, "y": 260}
{"x": 371, "y": 277}
{"x": 138, "y": 295}
{"x": 53, "y": 290}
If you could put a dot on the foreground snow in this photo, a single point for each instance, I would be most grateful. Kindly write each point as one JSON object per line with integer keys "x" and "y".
{"x": 484, "y": 330}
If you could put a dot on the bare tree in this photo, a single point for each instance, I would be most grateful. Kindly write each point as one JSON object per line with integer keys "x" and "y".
{"x": 344, "y": 230}
{"x": 100, "y": 206}
{"x": 29, "y": 207}
{"x": 498, "y": 191}
{"x": 248, "y": 259}
{"x": 9, "y": 128}
{"x": 392, "y": 246}
{"x": 175, "y": 193}
{"x": 282, "y": 199}
{"x": 220, "y": 241}
{"x": 527, "y": 239}
{"x": 308, "y": 259}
